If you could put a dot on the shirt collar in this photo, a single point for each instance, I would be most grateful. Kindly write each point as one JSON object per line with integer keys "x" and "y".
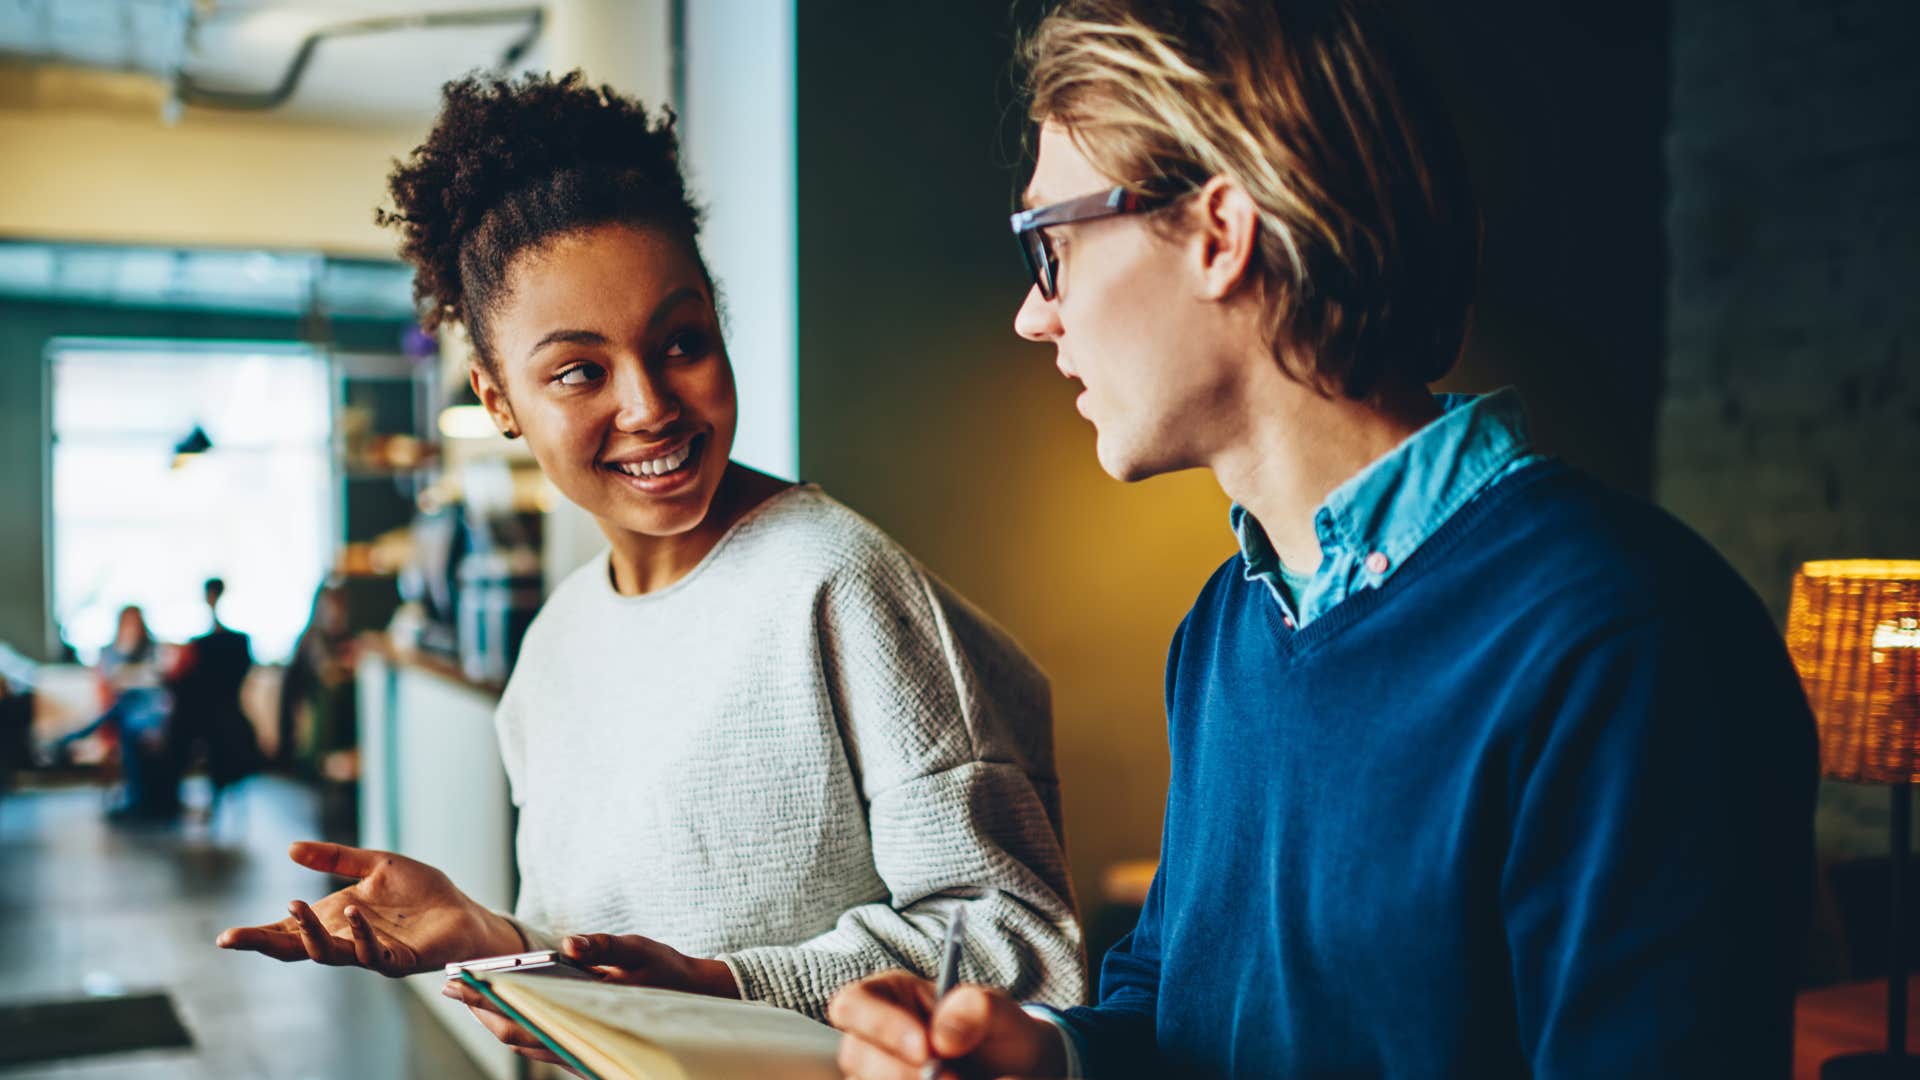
{"x": 1256, "y": 552}
{"x": 1396, "y": 502}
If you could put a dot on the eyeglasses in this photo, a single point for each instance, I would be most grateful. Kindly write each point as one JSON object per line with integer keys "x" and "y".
{"x": 1029, "y": 227}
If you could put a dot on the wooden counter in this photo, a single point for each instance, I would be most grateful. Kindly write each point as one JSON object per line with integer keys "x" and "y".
{"x": 434, "y": 664}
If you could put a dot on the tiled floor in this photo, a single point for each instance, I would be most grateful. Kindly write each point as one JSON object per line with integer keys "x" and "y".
{"x": 87, "y": 907}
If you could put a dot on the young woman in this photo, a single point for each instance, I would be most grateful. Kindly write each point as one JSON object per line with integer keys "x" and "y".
{"x": 755, "y": 730}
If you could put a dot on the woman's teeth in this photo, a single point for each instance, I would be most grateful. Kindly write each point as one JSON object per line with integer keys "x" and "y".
{"x": 659, "y": 466}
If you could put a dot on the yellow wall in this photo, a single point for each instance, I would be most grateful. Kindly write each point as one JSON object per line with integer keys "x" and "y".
{"x": 86, "y": 157}
{"x": 921, "y": 409}
{"x": 975, "y": 460}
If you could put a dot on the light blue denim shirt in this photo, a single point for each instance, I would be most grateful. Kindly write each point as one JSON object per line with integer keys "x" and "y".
{"x": 1371, "y": 524}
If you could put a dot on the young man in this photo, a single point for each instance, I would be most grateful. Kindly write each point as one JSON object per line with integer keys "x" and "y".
{"x": 1479, "y": 769}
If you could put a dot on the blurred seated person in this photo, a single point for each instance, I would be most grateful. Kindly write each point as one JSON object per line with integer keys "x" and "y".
{"x": 206, "y": 702}
{"x": 136, "y": 715}
{"x": 16, "y": 715}
{"x": 319, "y": 677}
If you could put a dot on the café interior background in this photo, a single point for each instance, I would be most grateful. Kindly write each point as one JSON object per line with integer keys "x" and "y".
{"x": 1701, "y": 248}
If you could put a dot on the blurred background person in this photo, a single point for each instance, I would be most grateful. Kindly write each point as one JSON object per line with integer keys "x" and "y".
{"x": 316, "y": 713}
{"x": 135, "y": 721}
{"x": 208, "y": 724}
{"x": 16, "y": 714}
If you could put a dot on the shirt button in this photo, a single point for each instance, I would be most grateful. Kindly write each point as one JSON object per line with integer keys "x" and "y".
{"x": 1377, "y": 562}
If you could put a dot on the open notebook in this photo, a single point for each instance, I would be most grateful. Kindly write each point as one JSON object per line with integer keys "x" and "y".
{"x": 639, "y": 1033}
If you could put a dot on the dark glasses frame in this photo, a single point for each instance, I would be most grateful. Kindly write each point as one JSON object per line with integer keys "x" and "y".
{"x": 1029, "y": 227}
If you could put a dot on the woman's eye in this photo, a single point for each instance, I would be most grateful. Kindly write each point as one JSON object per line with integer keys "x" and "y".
{"x": 578, "y": 375}
{"x": 686, "y": 343}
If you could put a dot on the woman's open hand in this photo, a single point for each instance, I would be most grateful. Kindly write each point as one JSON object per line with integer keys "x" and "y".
{"x": 400, "y": 917}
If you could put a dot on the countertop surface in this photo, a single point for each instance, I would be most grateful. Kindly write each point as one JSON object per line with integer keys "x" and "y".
{"x": 435, "y": 664}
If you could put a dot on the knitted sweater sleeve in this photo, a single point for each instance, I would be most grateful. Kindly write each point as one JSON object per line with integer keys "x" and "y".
{"x": 947, "y": 728}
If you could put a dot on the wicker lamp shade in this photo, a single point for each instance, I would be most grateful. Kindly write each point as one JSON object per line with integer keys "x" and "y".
{"x": 1853, "y": 629}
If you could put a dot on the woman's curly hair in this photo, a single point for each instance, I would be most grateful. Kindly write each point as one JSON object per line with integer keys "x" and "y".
{"x": 512, "y": 164}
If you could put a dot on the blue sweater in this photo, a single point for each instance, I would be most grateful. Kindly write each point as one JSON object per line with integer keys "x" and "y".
{"x": 1541, "y": 804}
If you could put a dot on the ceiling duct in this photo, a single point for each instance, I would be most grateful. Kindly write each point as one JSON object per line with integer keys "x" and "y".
{"x": 161, "y": 38}
{"x": 189, "y": 92}
{"x": 145, "y": 36}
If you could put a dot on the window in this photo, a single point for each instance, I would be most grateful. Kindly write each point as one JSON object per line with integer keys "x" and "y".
{"x": 133, "y": 525}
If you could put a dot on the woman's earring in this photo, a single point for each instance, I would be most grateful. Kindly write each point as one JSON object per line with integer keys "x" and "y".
{"x": 511, "y": 433}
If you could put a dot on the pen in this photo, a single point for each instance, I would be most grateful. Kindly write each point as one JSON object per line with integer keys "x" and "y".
{"x": 949, "y": 974}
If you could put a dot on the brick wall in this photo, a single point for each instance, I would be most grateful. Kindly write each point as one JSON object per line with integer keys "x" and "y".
{"x": 1790, "y": 424}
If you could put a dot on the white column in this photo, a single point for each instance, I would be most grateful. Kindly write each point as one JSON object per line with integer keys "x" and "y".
{"x": 626, "y": 45}
{"x": 623, "y": 43}
{"x": 737, "y": 134}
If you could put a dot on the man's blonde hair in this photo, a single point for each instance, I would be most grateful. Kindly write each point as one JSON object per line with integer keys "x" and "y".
{"x": 1369, "y": 235}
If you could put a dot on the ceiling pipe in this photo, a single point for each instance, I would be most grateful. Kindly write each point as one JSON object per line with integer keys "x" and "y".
{"x": 186, "y": 91}
{"x": 179, "y": 14}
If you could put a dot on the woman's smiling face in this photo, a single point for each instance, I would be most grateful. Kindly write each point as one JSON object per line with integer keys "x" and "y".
{"x": 609, "y": 361}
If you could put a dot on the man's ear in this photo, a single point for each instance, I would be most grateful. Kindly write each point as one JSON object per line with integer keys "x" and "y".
{"x": 493, "y": 399}
{"x": 1228, "y": 227}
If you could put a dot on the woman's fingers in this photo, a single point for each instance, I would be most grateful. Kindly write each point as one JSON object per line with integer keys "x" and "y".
{"x": 321, "y": 946}
{"x": 623, "y": 958}
{"x": 280, "y": 941}
{"x": 337, "y": 859}
{"x": 256, "y": 938}
{"x": 588, "y": 948}
{"x": 369, "y": 951}
{"x": 366, "y": 950}
{"x": 467, "y": 995}
{"x": 507, "y": 1031}
{"x": 313, "y": 936}
{"x": 542, "y": 1054}
{"x": 385, "y": 927}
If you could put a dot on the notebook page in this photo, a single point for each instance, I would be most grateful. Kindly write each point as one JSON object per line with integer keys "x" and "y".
{"x": 710, "y": 1038}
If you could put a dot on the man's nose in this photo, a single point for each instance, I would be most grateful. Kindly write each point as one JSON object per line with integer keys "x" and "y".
{"x": 1038, "y": 318}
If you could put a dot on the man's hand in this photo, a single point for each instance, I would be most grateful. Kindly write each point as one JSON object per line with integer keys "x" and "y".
{"x": 400, "y": 917}
{"x": 893, "y": 1026}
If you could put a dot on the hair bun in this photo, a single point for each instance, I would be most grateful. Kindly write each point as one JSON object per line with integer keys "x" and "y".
{"x": 511, "y": 163}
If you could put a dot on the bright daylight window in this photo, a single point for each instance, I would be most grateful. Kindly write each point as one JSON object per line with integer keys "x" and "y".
{"x": 133, "y": 525}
